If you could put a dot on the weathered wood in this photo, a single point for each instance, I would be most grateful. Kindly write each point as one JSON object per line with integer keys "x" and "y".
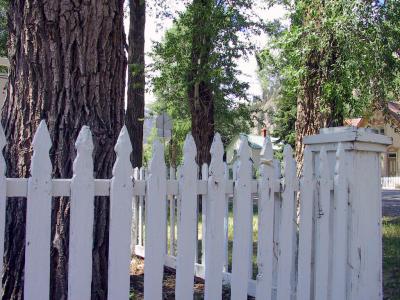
{"x": 306, "y": 227}
{"x": 81, "y": 219}
{"x": 266, "y": 208}
{"x": 141, "y": 211}
{"x": 340, "y": 221}
{"x": 155, "y": 220}
{"x": 287, "y": 228}
{"x": 322, "y": 238}
{"x": 365, "y": 236}
{"x": 242, "y": 224}
{"x": 38, "y": 219}
{"x": 187, "y": 242}
{"x": 172, "y": 209}
{"x": 204, "y": 176}
{"x": 226, "y": 223}
{"x": 119, "y": 256}
{"x": 214, "y": 254}
{"x": 135, "y": 213}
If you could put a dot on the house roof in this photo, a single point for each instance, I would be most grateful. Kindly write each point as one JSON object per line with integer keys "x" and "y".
{"x": 353, "y": 122}
{"x": 393, "y": 110}
{"x": 256, "y": 141}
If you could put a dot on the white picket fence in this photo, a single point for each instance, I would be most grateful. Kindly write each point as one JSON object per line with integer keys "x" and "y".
{"x": 331, "y": 250}
{"x": 390, "y": 182}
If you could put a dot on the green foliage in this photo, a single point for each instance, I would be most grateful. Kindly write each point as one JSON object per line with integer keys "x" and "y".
{"x": 227, "y": 26}
{"x": 3, "y": 28}
{"x": 356, "y": 45}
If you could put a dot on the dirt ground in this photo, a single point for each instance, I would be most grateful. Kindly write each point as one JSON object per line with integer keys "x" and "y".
{"x": 137, "y": 283}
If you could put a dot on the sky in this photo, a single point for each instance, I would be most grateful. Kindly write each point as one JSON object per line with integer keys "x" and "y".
{"x": 247, "y": 66}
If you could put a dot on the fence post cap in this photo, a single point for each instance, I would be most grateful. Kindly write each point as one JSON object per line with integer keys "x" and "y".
{"x": 347, "y": 134}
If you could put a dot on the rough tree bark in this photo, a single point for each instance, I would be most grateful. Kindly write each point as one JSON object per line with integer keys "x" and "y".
{"x": 201, "y": 100}
{"x": 67, "y": 65}
{"x": 134, "y": 118}
{"x": 309, "y": 118}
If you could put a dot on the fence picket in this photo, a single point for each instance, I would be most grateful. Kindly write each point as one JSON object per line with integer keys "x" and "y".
{"x": 277, "y": 225}
{"x": 215, "y": 230}
{"x": 187, "y": 242}
{"x": 204, "y": 176}
{"x": 81, "y": 219}
{"x": 266, "y": 208}
{"x": 340, "y": 216}
{"x": 287, "y": 228}
{"x": 3, "y": 198}
{"x": 306, "y": 227}
{"x": 38, "y": 218}
{"x": 172, "y": 205}
{"x": 141, "y": 210}
{"x": 322, "y": 238}
{"x": 135, "y": 215}
{"x": 155, "y": 219}
{"x": 226, "y": 224}
{"x": 121, "y": 188}
{"x": 242, "y": 224}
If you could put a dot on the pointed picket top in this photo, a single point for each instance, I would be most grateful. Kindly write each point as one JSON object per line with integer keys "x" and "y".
{"x": 189, "y": 150}
{"x": 83, "y": 163}
{"x": 123, "y": 147}
{"x": 339, "y": 165}
{"x": 244, "y": 149}
{"x": 217, "y": 153}
{"x": 84, "y": 142}
{"x": 157, "y": 161}
{"x": 41, "y": 143}
{"x": 289, "y": 165}
{"x": 267, "y": 153}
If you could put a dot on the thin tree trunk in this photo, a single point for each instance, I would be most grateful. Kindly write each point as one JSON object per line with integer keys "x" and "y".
{"x": 136, "y": 79}
{"x": 200, "y": 95}
{"x": 67, "y": 66}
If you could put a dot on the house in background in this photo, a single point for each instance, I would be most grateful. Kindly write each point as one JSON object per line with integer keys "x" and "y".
{"x": 391, "y": 159}
{"x": 255, "y": 143}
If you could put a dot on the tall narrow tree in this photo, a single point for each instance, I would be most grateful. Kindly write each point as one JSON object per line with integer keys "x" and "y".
{"x": 136, "y": 80}
{"x": 67, "y": 66}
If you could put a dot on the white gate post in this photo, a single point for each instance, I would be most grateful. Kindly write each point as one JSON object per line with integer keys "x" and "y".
{"x": 356, "y": 265}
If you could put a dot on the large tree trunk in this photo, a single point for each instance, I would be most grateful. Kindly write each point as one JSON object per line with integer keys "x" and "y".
{"x": 309, "y": 118}
{"x": 67, "y": 66}
{"x": 136, "y": 79}
{"x": 200, "y": 95}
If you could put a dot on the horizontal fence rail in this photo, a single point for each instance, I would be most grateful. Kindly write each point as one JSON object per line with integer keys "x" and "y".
{"x": 292, "y": 238}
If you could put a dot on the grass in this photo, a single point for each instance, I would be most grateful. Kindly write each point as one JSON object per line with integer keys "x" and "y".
{"x": 391, "y": 258}
{"x": 391, "y": 250}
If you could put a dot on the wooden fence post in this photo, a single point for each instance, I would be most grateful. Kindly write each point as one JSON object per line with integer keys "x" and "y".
{"x": 356, "y": 267}
{"x": 38, "y": 218}
{"x": 266, "y": 209}
{"x": 242, "y": 224}
{"x": 187, "y": 242}
{"x": 155, "y": 221}
{"x": 287, "y": 230}
{"x": 121, "y": 196}
{"x": 81, "y": 219}
{"x": 214, "y": 255}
